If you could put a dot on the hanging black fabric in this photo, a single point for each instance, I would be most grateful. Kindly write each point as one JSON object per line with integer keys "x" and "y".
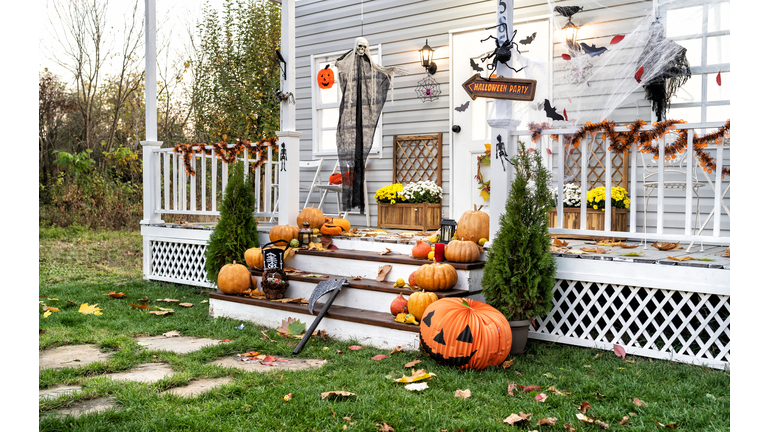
{"x": 660, "y": 88}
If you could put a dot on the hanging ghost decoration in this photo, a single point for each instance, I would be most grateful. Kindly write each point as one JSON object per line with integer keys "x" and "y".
{"x": 363, "y": 86}
{"x": 673, "y": 71}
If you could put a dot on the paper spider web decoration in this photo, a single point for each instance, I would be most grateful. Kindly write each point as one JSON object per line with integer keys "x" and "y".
{"x": 428, "y": 88}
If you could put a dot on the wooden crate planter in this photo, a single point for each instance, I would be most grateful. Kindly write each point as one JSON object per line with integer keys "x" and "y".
{"x": 422, "y": 216}
{"x": 595, "y": 219}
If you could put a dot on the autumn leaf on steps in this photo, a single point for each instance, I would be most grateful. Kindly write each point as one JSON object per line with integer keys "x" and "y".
{"x": 385, "y": 251}
{"x": 116, "y": 295}
{"x": 141, "y": 306}
{"x": 632, "y": 254}
{"x": 727, "y": 253}
{"x": 90, "y": 310}
{"x": 626, "y": 246}
{"x": 326, "y": 241}
{"x": 557, "y": 242}
{"x": 666, "y": 246}
{"x": 289, "y": 253}
{"x": 418, "y": 375}
{"x": 514, "y": 418}
{"x": 383, "y": 271}
{"x": 585, "y": 249}
{"x": 337, "y": 394}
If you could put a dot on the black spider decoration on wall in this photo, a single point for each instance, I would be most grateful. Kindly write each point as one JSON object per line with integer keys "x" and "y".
{"x": 503, "y": 52}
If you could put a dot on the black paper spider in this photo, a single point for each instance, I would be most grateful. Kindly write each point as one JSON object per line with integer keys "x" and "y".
{"x": 503, "y": 52}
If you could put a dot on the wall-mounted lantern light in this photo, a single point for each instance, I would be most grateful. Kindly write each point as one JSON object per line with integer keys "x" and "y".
{"x": 570, "y": 30}
{"x": 426, "y": 54}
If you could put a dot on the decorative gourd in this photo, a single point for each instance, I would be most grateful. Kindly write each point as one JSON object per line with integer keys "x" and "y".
{"x": 462, "y": 251}
{"x": 283, "y": 232}
{"x": 418, "y": 302}
{"x": 325, "y": 78}
{"x": 465, "y": 333}
{"x": 399, "y": 305}
{"x": 436, "y": 277}
{"x": 312, "y": 215}
{"x": 473, "y": 225}
{"x": 234, "y": 279}
{"x": 412, "y": 279}
{"x": 254, "y": 258}
{"x": 421, "y": 250}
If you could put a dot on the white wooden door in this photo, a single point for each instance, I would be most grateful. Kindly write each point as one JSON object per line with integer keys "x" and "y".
{"x": 470, "y": 143}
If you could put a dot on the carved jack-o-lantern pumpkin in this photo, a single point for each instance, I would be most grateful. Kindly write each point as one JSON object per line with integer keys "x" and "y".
{"x": 325, "y": 77}
{"x": 465, "y": 333}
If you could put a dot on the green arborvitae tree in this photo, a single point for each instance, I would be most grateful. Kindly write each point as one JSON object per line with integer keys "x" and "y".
{"x": 237, "y": 229}
{"x": 519, "y": 273}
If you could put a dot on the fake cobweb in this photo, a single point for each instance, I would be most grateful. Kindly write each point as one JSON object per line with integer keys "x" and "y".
{"x": 428, "y": 89}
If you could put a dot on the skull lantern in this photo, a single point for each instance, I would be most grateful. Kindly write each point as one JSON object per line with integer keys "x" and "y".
{"x": 361, "y": 46}
{"x": 465, "y": 333}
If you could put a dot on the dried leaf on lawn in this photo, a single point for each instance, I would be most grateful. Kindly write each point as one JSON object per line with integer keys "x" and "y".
{"x": 514, "y": 418}
{"x": 548, "y": 421}
{"x": 321, "y": 334}
{"x": 602, "y": 424}
{"x": 558, "y": 392}
{"x": 418, "y": 375}
{"x": 462, "y": 394}
{"x": 526, "y": 389}
{"x": 337, "y": 394}
{"x": 568, "y": 427}
{"x": 355, "y": 347}
{"x": 90, "y": 310}
{"x": 541, "y": 397}
{"x": 624, "y": 420}
{"x": 379, "y": 357}
{"x": 666, "y": 246}
{"x": 619, "y": 351}
{"x": 637, "y": 402}
{"x": 116, "y": 294}
{"x": 50, "y": 309}
{"x": 412, "y": 364}
{"x": 144, "y": 300}
{"x": 417, "y": 386}
{"x": 584, "y": 418}
{"x": 383, "y": 271}
{"x": 507, "y": 363}
{"x": 396, "y": 350}
{"x": 186, "y": 305}
{"x": 385, "y": 427}
{"x": 167, "y": 300}
{"x": 265, "y": 337}
{"x": 161, "y": 312}
{"x": 670, "y": 426}
{"x": 172, "y": 333}
{"x": 511, "y": 388}
{"x": 585, "y": 406}
{"x": 141, "y": 306}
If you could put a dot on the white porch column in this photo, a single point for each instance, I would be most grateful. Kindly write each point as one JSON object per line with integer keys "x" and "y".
{"x": 289, "y": 179}
{"x": 150, "y": 77}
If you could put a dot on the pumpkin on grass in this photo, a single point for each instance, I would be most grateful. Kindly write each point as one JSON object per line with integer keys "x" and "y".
{"x": 436, "y": 277}
{"x": 254, "y": 258}
{"x": 462, "y": 251}
{"x": 418, "y": 302}
{"x": 465, "y": 333}
{"x": 312, "y": 215}
{"x": 473, "y": 225}
{"x": 283, "y": 232}
{"x": 234, "y": 279}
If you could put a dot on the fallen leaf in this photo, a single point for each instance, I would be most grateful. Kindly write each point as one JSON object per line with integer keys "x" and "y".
{"x": 526, "y": 389}
{"x": 558, "y": 242}
{"x": 600, "y": 395}
{"x": 637, "y": 402}
{"x": 510, "y": 388}
{"x": 507, "y": 363}
{"x": 265, "y": 337}
{"x": 558, "y": 392}
{"x": 462, "y": 394}
{"x": 619, "y": 351}
{"x": 172, "y": 333}
{"x": 549, "y": 375}
{"x": 548, "y": 421}
{"x": 598, "y": 355}
{"x": 577, "y": 252}
{"x": 541, "y": 397}
{"x": 186, "y": 305}
{"x": 379, "y": 357}
{"x": 339, "y": 352}
{"x": 626, "y": 246}
{"x": 167, "y": 300}
{"x": 585, "y": 406}
{"x": 116, "y": 295}
{"x": 47, "y": 314}
{"x": 337, "y": 394}
{"x": 90, "y": 310}
{"x": 584, "y": 418}
{"x": 568, "y": 427}
{"x": 588, "y": 249}
{"x": 514, "y": 418}
{"x": 624, "y": 420}
{"x": 396, "y": 350}
{"x": 727, "y": 253}
{"x": 224, "y": 341}
{"x": 385, "y": 427}
{"x": 600, "y": 250}
{"x": 355, "y": 347}
{"x": 50, "y": 309}
{"x": 417, "y": 387}
{"x": 385, "y": 251}
{"x": 670, "y": 426}
{"x": 321, "y": 334}
{"x": 412, "y": 364}
{"x": 144, "y": 300}
{"x": 161, "y": 312}
{"x": 383, "y": 271}
{"x": 141, "y": 306}
{"x": 291, "y": 327}
{"x": 602, "y": 424}
{"x": 632, "y": 254}
{"x": 666, "y": 246}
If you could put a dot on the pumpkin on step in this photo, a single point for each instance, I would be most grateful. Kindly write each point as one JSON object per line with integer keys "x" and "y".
{"x": 283, "y": 232}
{"x": 234, "y": 279}
{"x": 421, "y": 250}
{"x": 462, "y": 251}
{"x": 473, "y": 225}
{"x": 436, "y": 277}
{"x": 335, "y": 226}
{"x": 398, "y": 305}
{"x": 312, "y": 215}
{"x": 254, "y": 258}
{"x": 465, "y": 333}
{"x": 418, "y": 302}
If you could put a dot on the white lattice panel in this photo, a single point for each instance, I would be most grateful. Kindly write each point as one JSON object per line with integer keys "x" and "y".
{"x": 178, "y": 262}
{"x": 677, "y": 325}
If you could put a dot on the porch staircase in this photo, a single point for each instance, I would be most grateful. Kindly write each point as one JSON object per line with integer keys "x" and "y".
{"x": 361, "y": 310}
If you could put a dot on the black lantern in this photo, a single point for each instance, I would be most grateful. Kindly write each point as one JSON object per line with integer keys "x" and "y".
{"x": 570, "y": 29}
{"x": 447, "y": 230}
{"x": 426, "y": 54}
{"x": 305, "y": 235}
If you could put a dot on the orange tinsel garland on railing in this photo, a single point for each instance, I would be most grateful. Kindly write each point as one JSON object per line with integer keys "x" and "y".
{"x": 621, "y": 141}
{"x": 228, "y": 155}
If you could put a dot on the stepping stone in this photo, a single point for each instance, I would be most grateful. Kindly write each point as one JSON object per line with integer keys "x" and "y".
{"x": 78, "y": 409}
{"x": 178, "y": 344}
{"x": 53, "y": 393}
{"x": 147, "y": 373}
{"x": 71, "y": 356}
{"x": 198, "y": 386}
{"x": 256, "y": 366}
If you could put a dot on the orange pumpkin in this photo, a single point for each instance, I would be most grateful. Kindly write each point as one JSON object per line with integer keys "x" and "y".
{"x": 421, "y": 250}
{"x": 254, "y": 258}
{"x": 234, "y": 279}
{"x": 335, "y": 226}
{"x": 473, "y": 225}
{"x": 462, "y": 251}
{"x": 331, "y": 230}
{"x": 398, "y": 305}
{"x": 312, "y": 215}
{"x": 283, "y": 232}
{"x": 418, "y": 302}
{"x": 465, "y": 333}
{"x": 436, "y": 277}
{"x": 325, "y": 77}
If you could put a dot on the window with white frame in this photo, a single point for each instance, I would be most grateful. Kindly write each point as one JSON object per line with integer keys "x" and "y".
{"x": 703, "y": 28}
{"x": 325, "y": 106}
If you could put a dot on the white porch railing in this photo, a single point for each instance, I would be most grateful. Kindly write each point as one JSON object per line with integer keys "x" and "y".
{"x": 177, "y": 192}
{"x": 690, "y": 233}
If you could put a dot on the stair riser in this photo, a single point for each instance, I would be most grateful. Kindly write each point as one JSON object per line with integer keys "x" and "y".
{"x": 467, "y": 279}
{"x": 379, "y": 337}
{"x": 378, "y": 246}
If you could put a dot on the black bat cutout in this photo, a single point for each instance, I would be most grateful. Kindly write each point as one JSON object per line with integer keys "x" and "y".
{"x": 462, "y": 107}
{"x": 501, "y": 3}
{"x": 551, "y": 112}
{"x": 476, "y": 67}
{"x": 592, "y": 50}
{"x": 529, "y": 39}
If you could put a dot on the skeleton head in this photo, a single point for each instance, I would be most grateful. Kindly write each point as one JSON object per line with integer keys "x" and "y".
{"x": 361, "y": 46}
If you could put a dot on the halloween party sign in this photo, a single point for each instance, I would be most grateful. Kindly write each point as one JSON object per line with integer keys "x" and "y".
{"x": 518, "y": 89}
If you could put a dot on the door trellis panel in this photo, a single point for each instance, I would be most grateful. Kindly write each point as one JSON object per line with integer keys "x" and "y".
{"x": 417, "y": 158}
{"x": 594, "y": 148}
{"x": 178, "y": 262}
{"x": 682, "y": 326}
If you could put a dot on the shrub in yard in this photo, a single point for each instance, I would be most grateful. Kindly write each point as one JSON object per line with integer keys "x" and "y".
{"x": 237, "y": 229}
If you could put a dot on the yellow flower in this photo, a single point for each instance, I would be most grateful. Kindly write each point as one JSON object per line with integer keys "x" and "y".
{"x": 594, "y": 206}
{"x": 392, "y": 201}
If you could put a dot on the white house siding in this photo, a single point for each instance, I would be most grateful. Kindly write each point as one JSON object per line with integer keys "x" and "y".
{"x": 401, "y": 28}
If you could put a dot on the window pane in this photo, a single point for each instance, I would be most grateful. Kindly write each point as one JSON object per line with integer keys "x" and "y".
{"x": 719, "y": 113}
{"x": 719, "y": 17}
{"x": 330, "y": 117}
{"x": 328, "y": 95}
{"x": 690, "y": 92}
{"x": 718, "y": 50}
{"x": 718, "y": 92}
{"x": 328, "y": 140}
{"x": 691, "y": 115}
{"x": 685, "y": 21}
{"x": 693, "y": 53}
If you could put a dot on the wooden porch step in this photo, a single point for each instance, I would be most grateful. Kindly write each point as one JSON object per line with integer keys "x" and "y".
{"x": 386, "y": 259}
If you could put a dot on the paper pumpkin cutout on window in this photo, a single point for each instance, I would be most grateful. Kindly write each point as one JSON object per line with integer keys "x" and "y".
{"x": 325, "y": 77}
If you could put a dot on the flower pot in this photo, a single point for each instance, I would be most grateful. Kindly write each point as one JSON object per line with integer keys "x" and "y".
{"x": 595, "y": 219}
{"x": 519, "y": 336}
{"x": 422, "y": 216}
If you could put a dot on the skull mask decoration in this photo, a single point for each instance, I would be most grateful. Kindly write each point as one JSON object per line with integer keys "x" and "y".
{"x": 361, "y": 46}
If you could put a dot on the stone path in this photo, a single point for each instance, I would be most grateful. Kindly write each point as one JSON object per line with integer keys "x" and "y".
{"x": 81, "y": 355}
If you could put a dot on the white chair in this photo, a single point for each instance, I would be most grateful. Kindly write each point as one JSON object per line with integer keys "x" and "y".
{"x": 317, "y": 166}
{"x": 673, "y": 168}
{"x": 337, "y": 189}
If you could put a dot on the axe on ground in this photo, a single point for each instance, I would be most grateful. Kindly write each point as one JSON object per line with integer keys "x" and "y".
{"x": 320, "y": 290}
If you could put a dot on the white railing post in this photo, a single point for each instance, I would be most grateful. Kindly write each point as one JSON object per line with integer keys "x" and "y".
{"x": 288, "y": 178}
{"x": 500, "y": 178}
{"x": 662, "y": 142}
{"x": 150, "y": 176}
{"x": 608, "y": 184}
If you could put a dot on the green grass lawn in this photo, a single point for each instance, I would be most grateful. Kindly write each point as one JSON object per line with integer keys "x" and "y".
{"x": 83, "y": 267}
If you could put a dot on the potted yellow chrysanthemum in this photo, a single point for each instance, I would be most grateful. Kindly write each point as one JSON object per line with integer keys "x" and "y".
{"x": 411, "y": 206}
{"x": 595, "y": 210}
